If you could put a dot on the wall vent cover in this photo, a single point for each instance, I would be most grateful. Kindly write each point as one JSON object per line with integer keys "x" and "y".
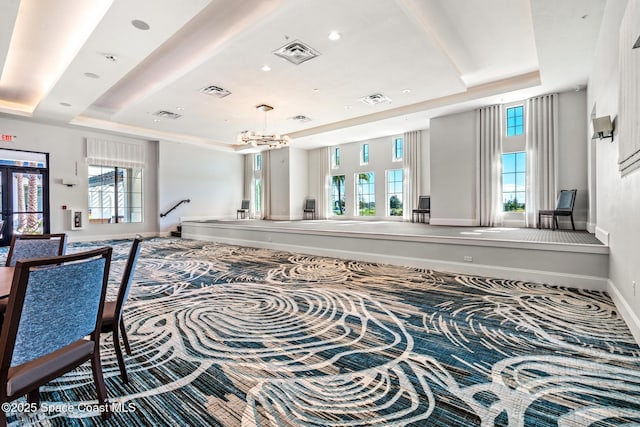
{"x": 167, "y": 114}
{"x": 296, "y": 52}
{"x": 215, "y": 91}
{"x": 375, "y": 99}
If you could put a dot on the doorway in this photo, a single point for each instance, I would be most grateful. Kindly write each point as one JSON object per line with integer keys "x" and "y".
{"x": 24, "y": 193}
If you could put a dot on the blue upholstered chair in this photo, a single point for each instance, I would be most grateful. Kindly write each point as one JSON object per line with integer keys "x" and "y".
{"x": 112, "y": 320}
{"x": 564, "y": 207}
{"x": 24, "y": 246}
{"x": 52, "y": 323}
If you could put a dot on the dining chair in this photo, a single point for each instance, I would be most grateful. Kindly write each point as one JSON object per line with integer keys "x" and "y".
{"x": 52, "y": 323}
{"x": 309, "y": 208}
{"x": 564, "y": 207}
{"x": 424, "y": 208}
{"x": 243, "y": 212}
{"x": 25, "y": 246}
{"x": 112, "y": 319}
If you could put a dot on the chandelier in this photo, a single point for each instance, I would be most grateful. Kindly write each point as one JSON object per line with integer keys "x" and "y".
{"x": 259, "y": 139}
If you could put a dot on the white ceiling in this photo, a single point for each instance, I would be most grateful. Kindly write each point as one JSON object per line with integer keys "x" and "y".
{"x": 430, "y": 57}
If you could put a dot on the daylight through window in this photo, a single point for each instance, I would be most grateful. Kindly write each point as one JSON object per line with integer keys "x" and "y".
{"x": 514, "y": 170}
{"x": 115, "y": 194}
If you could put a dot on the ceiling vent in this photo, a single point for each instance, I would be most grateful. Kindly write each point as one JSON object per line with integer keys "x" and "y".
{"x": 215, "y": 91}
{"x": 300, "y": 118}
{"x": 167, "y": 115}
{"x": 375, "y": 99}
{"x": 296, "y": 52}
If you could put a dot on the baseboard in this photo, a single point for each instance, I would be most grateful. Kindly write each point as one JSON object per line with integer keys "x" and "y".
{"x": 460, "y": 222}
{"x": 625, "y": 310}
{"x": 591, "y": 228}
{"x": 537, "y": 276}
{"x": 602, "y": 235}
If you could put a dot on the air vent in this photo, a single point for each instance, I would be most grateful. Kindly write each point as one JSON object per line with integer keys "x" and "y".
{"x": 300, "y": 118}
{"x": 296, "y": 52}
{"x": 167, "y": 115}
{"x": 375, "y": 99}
{"x": 215, "y": 91}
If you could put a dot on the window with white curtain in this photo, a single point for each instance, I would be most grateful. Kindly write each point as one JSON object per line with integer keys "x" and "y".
{"x": 366, "y": 194}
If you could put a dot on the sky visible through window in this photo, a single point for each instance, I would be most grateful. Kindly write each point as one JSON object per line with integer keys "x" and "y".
{"x": 514, "y": 170}
{"x": 515, "y": 120}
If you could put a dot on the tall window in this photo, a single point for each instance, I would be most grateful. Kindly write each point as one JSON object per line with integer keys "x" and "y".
{"x": 514, "y": 169}
{"x": 335, "y": 158}
{"x": 366, "y": 193}
{"x": 397, "y": 149}
{"x": 394, "y": 192}
{"x": 515, "y": 120}
{"x": 337, "y": 195}
{"x": 364, "y": 154}
{"x": 257, "y": 195}
{"x": 258, "y": 166}
{"x": 115, "y": 194}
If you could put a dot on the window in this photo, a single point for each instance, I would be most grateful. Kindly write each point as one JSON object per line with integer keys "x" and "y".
{"x": 366, "y": 193}
{"x": 364, "y": 154}
{"x": 337, "y": 195}
{"x": 515, "y": 120}
{"x": 397, "y": 149}
{"x": 258, "y": 166}
{"x": 258, "y": 195}
{"x": 394, "y": 192}
{"x": 514, "y": 168}
{"x": 115, "y": 194}
{"x": 335, "y": 158}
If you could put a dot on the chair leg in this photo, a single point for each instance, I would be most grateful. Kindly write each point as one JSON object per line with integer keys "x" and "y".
{"x": 539, "y": 219}
{"x": 555, "y": 223}
{"x": 123, "y": 331}
{"x": 34, "y": 396}
{"x": 572, "y": 224}
{"x": 121, "y": 365}
{"x": 98, "y": 379}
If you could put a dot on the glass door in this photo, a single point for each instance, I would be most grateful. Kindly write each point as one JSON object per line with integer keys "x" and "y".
{"x": 24, "y": 194}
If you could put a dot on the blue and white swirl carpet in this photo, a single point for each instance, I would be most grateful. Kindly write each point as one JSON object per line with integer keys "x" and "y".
{"x": 231, "y": 336}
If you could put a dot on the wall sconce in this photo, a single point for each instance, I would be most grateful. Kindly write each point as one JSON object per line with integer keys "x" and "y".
{"x": 602, "y": 128}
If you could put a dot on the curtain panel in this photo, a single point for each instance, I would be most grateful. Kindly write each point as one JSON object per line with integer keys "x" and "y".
{"x": 411, "y": 165}
{"x": 266, "y": 184}
{"x": 324, "y": 187}
{"x": 103, "y": 152}
{"x": 542, "y": 157}
{"x": 489, "y": 123}
{"x": 248, "y": 193}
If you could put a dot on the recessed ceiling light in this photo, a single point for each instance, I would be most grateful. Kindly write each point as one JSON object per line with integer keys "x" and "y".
{"x": 265, "y": 68}
{"x": 65, "y": 104}
{"x": 180, "y": 108}
{"x": 347, "y": 107}
{"x": 316, "y": 90}
{"x": 110, "y": 57}
{"x": 334, "y": 35}
{"x": 406, "y": 91}
{"x": 141, "y": 25}
{"x": 156, "y": 120}
{"x": 92, "y": 75}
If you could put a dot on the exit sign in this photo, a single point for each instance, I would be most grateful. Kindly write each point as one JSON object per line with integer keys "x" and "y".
{"x": 6, "y": 137}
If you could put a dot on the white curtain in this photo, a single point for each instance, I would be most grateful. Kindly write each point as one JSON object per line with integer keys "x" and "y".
{"x": 411, "y": 164}
{"x": 542, "y": 158}
{"x": 249, "y": 161}
{"x": 323, "y": 202}
{"x": 266, "y": 184}
{"x": 103, "y": 152}
{"x": 490, "y": 182}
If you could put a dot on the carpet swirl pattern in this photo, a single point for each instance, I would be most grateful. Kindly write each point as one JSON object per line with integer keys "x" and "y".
{"x": 232, "y": 336}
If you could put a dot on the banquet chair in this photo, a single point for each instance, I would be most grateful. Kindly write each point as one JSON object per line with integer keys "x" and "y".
{"x": 244, "y": 209}
{"x": 112, "y": 320}
{"x": 564, "y": 207}
{"x": 25, "y": 246}
{"x": 52, "y": 323}
{"x": 309, "y": 208}
{"x": 424, "y": 208}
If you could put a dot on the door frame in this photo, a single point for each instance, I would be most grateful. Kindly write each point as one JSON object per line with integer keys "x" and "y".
{"x": 6, "y": 172}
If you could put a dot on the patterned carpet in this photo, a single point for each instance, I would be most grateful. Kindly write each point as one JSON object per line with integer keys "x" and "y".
{"x": 231, "y": 336}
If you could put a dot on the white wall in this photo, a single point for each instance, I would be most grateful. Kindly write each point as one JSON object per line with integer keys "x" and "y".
{"x": 280, "y": 179}
{"x": 298, "y": 181}
{"x": 211, "y": 179}
{"x": 453, "y": 169}
{"x": 67, "y": 152}
{"x": 617, "y": 198}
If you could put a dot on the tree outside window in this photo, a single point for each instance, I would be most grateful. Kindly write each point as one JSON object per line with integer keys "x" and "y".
{"x": 394, "y": 192}
{"x": 514, "y": 171}
{"x": 115, "y": 194}
{"x": 366, "y": 193}
{"x": 337, "y": 195}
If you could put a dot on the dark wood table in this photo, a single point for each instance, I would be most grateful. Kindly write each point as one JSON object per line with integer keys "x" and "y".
{"x": 6, "y": 278}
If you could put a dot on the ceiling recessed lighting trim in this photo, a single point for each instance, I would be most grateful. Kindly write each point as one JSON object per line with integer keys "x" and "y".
{"x": 92, "y": 75}
{"x": 216, "y": 91}
{"x": 375, "y": 99}
{"x": 141, "y": 25}
{"x": 167, "y": 114}
{"x": 334, "y": 35}
{"x": 65, "y": 104}
{"x": 300, "y": 118}
{"x": 110, "y": 57}
{"x": 265, "y": 68}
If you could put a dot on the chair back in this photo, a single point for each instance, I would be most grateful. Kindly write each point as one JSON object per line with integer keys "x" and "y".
{"x": 26, "y": 246}
{"x": 424, "y": 202}
{"x": 54, "y": 302}
{"x": 310, "y": 205}
{"x": 245, "y": 205}
{"x": 127, "y": 276}
{"x": 566, "y": 200}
